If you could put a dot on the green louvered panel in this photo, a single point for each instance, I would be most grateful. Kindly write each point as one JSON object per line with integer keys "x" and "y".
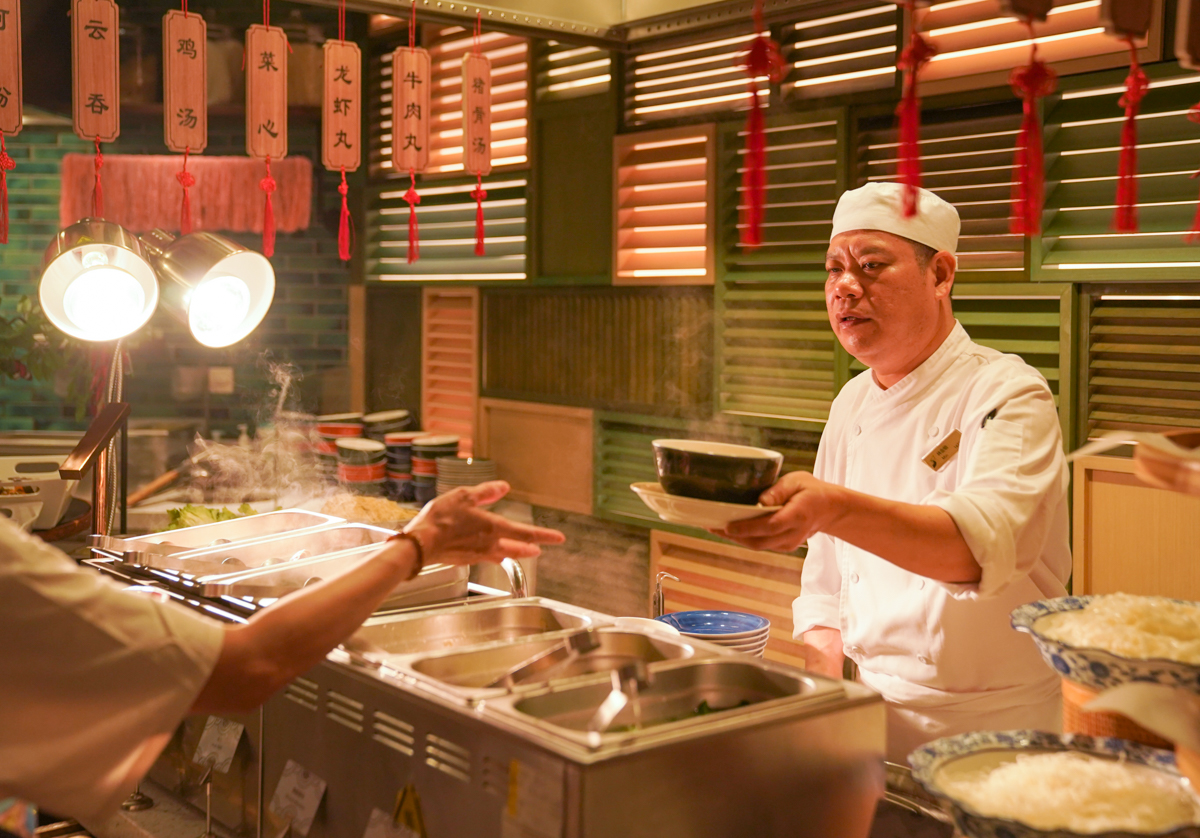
{"x": 1034, "y": 323}
{"x": 624, "y": 455}
{"x": 1083, "y": 131}
{"x": 1144, "y": 363}
{"x": 966, "y": 158}
{"x": 564, "y": 71}
{"x": 805, "y": 176}
{"x": 446, "y": 226}
{"x": 777, "y": 357}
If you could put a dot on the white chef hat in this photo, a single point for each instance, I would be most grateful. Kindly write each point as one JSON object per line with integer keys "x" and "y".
{"x": 880, "y": 206}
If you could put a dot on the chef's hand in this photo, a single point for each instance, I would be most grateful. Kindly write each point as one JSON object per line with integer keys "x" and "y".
{"x": 455, "y": 529}
{"x": 808, "y": 506}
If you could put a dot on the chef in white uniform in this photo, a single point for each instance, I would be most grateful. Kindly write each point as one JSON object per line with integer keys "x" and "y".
{"x": 939, "y": 498}
{"x": 95, "y": 678}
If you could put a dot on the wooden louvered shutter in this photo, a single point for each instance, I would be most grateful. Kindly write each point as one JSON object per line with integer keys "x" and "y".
{"x": 843, "y": 52}
{"x": 687, "y": 77}
{"x": 663, "y": 185}
{"x": 1034, "y": 321}
{"x": 446, "y": 220}
{"x": 967, "y": 159}
{"x": 449, "y": 363}
{"x": 1143, "y": 362}
{"x": 777, "y": 358}
{"x": 564, "y": 71}
{"x": 1083, "y": 131}
{"x": 978, "y": 44}
{"x": 379, "y": 113}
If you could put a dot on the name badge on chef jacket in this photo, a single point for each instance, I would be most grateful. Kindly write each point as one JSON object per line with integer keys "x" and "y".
{"x": 944, "y": 451}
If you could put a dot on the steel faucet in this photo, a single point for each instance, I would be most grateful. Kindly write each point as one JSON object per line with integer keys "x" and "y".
{"x": 659, "y": 604}
{"x": 516, "y": 577}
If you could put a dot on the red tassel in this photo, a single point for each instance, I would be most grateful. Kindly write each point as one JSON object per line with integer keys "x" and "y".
{"x": 267, "y": 185}
{"x": 762, "y": 59}
{"x": 187, "y": 180}
{"x": 478, "y": 194}
{"x": 344, "y": 222}
{"x": 7, "y": 164}
{"x": 916, "y": 55}
{"x": 414, "y": 243}
{"x": 1030, "y": 82}
{"x": 1136, "y": 85}
{"x": 97, "y": 190}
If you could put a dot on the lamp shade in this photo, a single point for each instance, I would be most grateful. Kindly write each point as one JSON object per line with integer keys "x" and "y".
{"x": 220, "y": 289}
{"x": 97, "y": 283}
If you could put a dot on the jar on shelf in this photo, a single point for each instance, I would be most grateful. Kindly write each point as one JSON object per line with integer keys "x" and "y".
{"x": 226, "y": 80}
{"x": 306, "y": 63}
{"x": 139, "y": 65}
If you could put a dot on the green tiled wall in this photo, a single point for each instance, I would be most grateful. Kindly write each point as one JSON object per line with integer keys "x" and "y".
{"x": 305, "y": 327}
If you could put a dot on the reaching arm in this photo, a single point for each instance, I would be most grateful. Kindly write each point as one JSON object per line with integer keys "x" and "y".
{"x": 295, "y": 634}
{"x": 920, "y": 538}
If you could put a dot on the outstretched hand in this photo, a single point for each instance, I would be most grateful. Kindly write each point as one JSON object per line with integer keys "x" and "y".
{"x": 455, "y": 529}
{"x": 808, "y": 504}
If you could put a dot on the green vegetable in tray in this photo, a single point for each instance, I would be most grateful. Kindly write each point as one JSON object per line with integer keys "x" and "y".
{"x": 193, "y": 515}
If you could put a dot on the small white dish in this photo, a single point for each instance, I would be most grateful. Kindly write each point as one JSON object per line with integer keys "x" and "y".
{"x": 693, "y": 512}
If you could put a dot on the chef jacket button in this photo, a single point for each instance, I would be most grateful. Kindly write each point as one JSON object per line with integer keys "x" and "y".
{"x": 924, "y": 659}
{"x": 857, "y": 430}
{"x": 855, "y": 650}
{"x": 921, "y": 584}
{"x": 854, "y": 578}
{"x": 933, "y": 431}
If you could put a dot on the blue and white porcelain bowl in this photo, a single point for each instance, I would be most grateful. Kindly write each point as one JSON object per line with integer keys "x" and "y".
{"x": 1097, "y": 668}
{"x": 942, "y": 759}
{"x": 718, "y": 625}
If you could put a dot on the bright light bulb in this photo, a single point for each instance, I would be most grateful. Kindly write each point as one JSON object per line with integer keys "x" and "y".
{"x": 217, "y": 310}
{"x": 94, "y": 259}
{"x": 105, "y": 303}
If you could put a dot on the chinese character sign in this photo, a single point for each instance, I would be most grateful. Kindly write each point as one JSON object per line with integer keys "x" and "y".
{"x": 477, "y": 114}
{"x": 340, "y": 123}
{"x": 96, "y": 105}
{"x": 185, "y": 81}
{"x": 411, "y": 77}
{"x": 10, "y": 67}
{"x": 266, "y": 91}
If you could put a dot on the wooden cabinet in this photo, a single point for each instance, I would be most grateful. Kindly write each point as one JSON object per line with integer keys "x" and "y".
{"x": 1132, "y": 537}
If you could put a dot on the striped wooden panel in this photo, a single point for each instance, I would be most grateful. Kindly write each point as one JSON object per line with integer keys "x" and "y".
{"x": 564, "y": 71}
{"x": 717, "y": 575}
{"x": 449, "y": 363}
{"x": 663, "y": 184}
{"x": 618, "y": 348}
{"x": 835, "y": 54}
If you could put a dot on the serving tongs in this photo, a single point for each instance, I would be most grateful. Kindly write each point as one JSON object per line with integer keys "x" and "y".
{"x": 628, "y": 681}
{"x": 568, "y": 649}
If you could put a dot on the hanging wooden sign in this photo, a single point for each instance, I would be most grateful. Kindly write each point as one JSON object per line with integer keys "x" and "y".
{"x": 10, "y": 67}
{"x": 1127, "y": 18}
{"x": 185, "y": 81}
{"x": 411, "y": 77}
{"x": 341, "y": 125}
{"x": 266, "y": 91}
{"x": 477, "y": 113}
{"x": 96, "y": 90}
{"x": 1187, "y": 34}
{"x": 1027, "y": 9}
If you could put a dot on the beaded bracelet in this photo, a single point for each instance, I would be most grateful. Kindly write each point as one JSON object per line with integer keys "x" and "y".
{"x": 416, "y": 542}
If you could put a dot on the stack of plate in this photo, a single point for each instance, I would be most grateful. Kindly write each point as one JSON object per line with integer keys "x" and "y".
{"x": 425, "y": 453}
{"x": 362, "y": 466}
{"x": 377, "y": 425}
{"x": 331, "y": 428}
{"x": 399, "y": 464}
{"x": 453, "y": 472}
{"x": 737, "y": 630}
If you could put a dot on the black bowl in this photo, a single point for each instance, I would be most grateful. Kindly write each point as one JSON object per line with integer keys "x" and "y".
{"x": 715, "y": 470}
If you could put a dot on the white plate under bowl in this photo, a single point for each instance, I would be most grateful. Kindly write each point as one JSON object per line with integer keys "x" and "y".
{"x": 694, "y": 512}
{"x": 738, "y": 637}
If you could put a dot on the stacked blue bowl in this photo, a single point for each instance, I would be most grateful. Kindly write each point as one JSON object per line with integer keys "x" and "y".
{"x": 734, "y": 629}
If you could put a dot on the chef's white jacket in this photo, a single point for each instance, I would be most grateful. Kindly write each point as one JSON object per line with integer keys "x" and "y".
{"x": 944, "y": 656}
{"x": 93, "y": 679}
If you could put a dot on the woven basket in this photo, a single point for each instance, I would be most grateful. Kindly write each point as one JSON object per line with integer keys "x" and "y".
{"x": 1078, "y": 720}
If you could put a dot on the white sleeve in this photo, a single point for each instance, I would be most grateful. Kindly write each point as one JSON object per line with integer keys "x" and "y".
{"x": 95, "y": 679}
{"x": 820, "y": 588}
{"x": 1016, "y": 474}
{"x": 820, "y": 579}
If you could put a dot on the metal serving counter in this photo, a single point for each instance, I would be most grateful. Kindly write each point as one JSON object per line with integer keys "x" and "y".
{"x": 530, "y": 718}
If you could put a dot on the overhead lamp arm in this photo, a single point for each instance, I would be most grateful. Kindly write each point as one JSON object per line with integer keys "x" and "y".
{"x": 92, "y": 453}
